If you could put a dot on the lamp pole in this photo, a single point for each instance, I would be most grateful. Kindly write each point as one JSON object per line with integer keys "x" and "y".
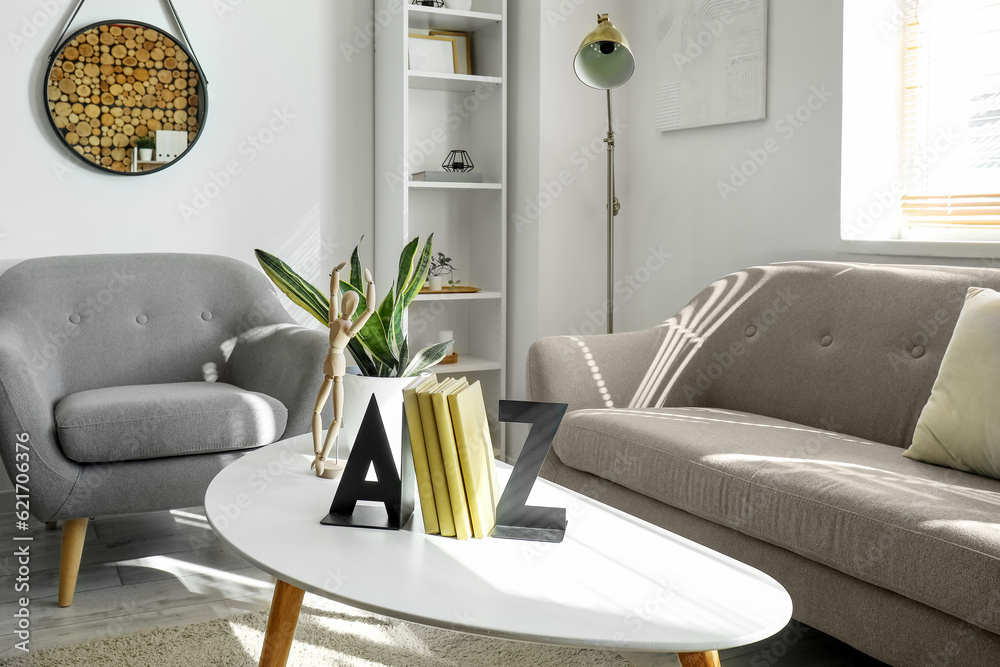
{"x": 605, "y": 61}
{"x": 613, "y": 206}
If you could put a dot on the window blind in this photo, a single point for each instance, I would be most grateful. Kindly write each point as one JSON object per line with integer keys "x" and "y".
{"x": 951, "y": 113}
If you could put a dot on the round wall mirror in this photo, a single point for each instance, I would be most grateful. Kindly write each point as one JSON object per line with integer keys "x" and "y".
{"x": 125, "y": 97}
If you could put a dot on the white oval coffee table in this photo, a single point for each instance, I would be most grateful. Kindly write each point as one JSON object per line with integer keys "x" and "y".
{"x": 615, "y": 582}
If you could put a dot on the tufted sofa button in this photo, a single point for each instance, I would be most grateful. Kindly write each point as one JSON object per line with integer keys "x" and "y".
{"x": 917, "y": 351}
{"x": 74, "y": 318}
{"x": 206, "y": 316}
{"x": 141, "y": 319}
{"x": 826, "y": 341}
{"x": 751, "y": 330}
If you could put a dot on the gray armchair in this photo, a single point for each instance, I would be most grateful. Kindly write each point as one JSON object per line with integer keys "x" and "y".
{"x": 128, "y": 381}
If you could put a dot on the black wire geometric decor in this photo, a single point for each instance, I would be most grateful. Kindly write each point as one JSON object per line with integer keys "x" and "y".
{"x": 458, "y": 161}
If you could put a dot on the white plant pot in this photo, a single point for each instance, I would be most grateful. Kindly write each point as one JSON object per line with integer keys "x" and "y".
{"x": 145, "y": 154}
{"x": 436, "y": 283}
{"x": 388, "y": 392}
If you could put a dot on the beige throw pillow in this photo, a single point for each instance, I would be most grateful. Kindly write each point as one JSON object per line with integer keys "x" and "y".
{"x": 960, "y": 425}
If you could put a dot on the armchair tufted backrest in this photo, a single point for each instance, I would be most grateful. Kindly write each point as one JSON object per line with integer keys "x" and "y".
{"x": 92, "y": 321}
{"x": 848, "y": 347}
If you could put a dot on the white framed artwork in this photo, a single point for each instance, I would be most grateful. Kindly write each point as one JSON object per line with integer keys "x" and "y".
{"x": 429, "y": 53}
{"x": 463, "y": 49}
{"x": 711, "y": 58}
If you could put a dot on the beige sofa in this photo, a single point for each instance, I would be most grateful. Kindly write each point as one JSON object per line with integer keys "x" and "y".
{"x": 767, "y": 420}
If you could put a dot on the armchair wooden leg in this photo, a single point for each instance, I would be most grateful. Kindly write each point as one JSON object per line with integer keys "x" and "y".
{"x": 74, "y": 532}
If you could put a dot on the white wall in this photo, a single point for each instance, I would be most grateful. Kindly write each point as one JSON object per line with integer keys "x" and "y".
{"x": 307, "y": 195}
{"x": 788, "y": 208}
{"x": 522, "y": 177}
{"x": 270, "y": 68}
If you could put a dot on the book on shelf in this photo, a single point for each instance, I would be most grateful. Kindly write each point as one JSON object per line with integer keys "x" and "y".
{"x": 448, "y": 176}
{"x": 449, "y": 455}
{"x": 421, "y": 467}
{"x": 435, "y": 463}
{"x": 475, "y": 454}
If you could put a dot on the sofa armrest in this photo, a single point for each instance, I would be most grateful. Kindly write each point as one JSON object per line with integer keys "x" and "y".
{"x": 28, "y": 430}
{"x": 284, "y": 361}
{"x": 600, "y": 371}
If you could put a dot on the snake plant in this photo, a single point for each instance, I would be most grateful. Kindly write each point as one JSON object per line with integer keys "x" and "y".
{"x": 380, "y": 349}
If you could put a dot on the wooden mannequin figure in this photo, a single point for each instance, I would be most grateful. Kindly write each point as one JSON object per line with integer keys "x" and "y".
{"x": 342, "y": 330}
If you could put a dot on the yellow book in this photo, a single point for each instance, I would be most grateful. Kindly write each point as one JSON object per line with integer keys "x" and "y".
{"x": 475, "y": 453}
{"x": 420, "y": 466}
{"x": 439, "y": 482}
{"x": 449, "y": 454}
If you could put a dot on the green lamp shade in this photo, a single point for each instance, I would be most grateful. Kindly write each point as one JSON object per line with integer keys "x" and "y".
{"x": 604, "y": 65}
{"x": 604, "y": 60}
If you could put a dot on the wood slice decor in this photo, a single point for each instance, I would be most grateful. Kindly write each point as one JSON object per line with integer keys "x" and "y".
{"x": 461, "y": 289}
{"x": 449, "y": 359}
{"x": 112, "y": 83}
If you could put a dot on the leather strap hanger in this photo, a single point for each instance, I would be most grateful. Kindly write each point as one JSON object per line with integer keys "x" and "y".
{"x": 173, "y": 15}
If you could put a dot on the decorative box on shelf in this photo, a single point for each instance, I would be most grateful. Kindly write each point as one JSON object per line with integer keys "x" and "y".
{"x": 448, "y": 176}
{"x": 458, "y": 289}
{"x": 170, "y": 144}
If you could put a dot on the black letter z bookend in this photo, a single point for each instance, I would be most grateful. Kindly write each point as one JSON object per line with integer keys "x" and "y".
{"x": 394, "y": 490}
{"x": 515, "y": 519}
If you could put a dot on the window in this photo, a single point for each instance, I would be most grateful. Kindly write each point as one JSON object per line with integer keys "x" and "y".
{"x": 950, "y": 124}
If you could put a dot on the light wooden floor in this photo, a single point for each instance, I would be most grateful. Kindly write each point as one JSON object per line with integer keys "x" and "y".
{"x": 168, "y": 568}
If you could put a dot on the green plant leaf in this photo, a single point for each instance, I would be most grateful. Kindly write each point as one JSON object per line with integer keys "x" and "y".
{"x": 404, "y": 355}
{"x": 406, "y": 264}
{"x": 419, "y": 276}
{"x": 362, "y": 358}
{"x": 346, "y": 287}
{"x": 385, "y": 312}
{"x": 373, "y": 339}
{"x": 295, "y": 287}
{"x": 426, "y": 357}
{"x": 396, "y": 323}
{"x": 357, "y": 276}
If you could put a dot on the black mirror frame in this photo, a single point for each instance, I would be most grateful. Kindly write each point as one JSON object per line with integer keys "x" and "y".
{"x": 202, "y": 89}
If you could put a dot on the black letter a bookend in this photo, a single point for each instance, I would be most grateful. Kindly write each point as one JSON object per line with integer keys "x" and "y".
{"x": 394, "y": 488}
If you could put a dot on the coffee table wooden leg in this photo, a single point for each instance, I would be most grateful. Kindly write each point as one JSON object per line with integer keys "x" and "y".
{"x": 281, "y": 622}
{"x": 706, "y": 659}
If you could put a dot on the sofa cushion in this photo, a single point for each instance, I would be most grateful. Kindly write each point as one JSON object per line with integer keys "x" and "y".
{"x": 157, "y": 420}
{"x": 926, "y": 532}
{"x": 958, "y": 427}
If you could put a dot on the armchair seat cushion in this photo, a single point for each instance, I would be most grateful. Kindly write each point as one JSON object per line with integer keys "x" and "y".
{"x": 854, "y": 505}
{"x": 159, "y": 420}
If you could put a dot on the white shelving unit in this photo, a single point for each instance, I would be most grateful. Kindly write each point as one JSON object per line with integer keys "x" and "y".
{"x": 459, "y": 297}
{"x": 452, "y": 83}
{"x": 419, "y": 118}
{"x": 433, "y": 185}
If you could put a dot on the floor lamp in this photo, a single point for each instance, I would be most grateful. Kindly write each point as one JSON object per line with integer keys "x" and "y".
{"x": 605, "y": 61}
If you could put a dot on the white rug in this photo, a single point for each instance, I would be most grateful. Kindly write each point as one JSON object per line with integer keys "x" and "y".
{"x": 328, "y": 634}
